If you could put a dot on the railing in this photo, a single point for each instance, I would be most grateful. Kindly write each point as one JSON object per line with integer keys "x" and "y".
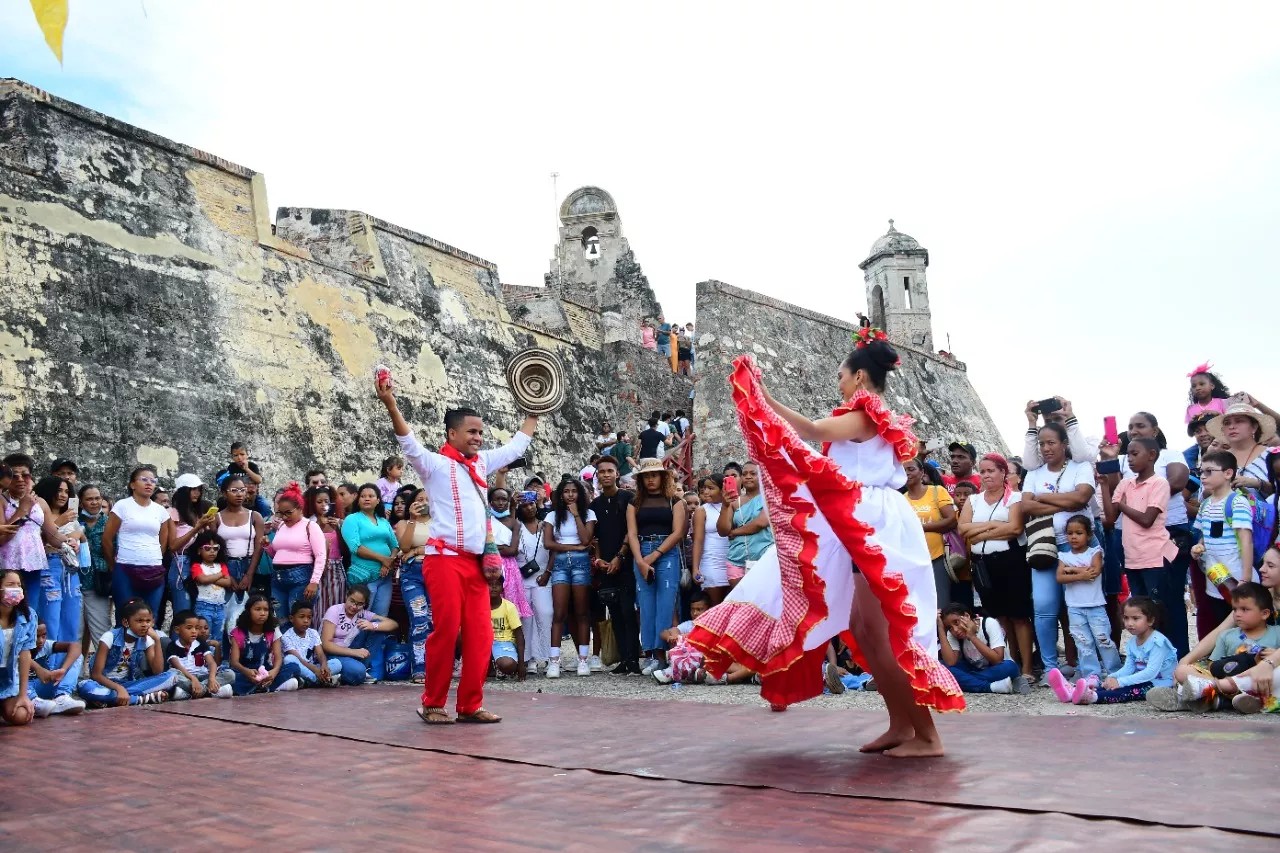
{"x": 679, "y": 458}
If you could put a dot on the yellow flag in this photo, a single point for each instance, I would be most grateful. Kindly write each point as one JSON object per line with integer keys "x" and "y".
{"x": 51, "y": 15}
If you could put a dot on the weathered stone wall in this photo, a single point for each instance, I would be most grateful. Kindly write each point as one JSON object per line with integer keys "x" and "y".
{"x": 148, "y": 313}
{"x": 799, "y": 352}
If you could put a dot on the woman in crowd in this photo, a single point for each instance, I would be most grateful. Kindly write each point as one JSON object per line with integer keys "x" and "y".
{"x": 411, "y": 537}
{"x": 346, "y": 499}
{"x": 372, "y": 543}
{"x": 991, "y": 523}
{"x": 568, "y": 536}
{"x": 243, "y": 530}
{"x": 504, "y": 522}
{"x": 710, "y": 549}
{"x": 188, "y": 511}
{"x": 1058, "y": 489}
{"x": 95, "y": 579}
{"x": 1246, "y": 432}
{"x": 134, "y": 543}
{"x": 745, "y": 524}
{"x": 937, "y": 514}
{"x": 656, "y": 523}
{"x": 59, "y": 605}
{"x": 534, "y": 560}
{"x": 298, "y": 553}
{"x": 28, "y": 525}
{"x": 333, "y": 583}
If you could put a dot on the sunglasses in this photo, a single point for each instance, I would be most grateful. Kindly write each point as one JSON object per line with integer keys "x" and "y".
{"x": 150, "y": 481}
{"x": 210, "y": 546}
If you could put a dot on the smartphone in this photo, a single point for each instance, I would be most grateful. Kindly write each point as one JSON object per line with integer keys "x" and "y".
{"x": 1048, "y": 407}
{"x": 730, "y": 486}
{"x": 1108, "y": 466}
{"x": 1215, "y": 529}
{"x": 527, "y": 497}
{"x": 1109, "y": 433}
{"x": 519, "y": 463}
{"x": 213, "y": 510}
{"x": 932, "y": 445}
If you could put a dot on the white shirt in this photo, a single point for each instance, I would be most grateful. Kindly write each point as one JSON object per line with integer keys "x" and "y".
{"x": 984, "y": 512}
{"x": 1177, "y": 511}
{"x": 122, "y": 668}
{"x": 567, "y": 533}
{"x": 611, "y": 438}
{"x": 209, "y": 592}
{"x": 532, "y": 547}
{"x": 138, "y": 542}
{"x": 305, "y": 645}
{"x": 664, "y": 428}
{"x": 1082, "y": 593}
{"x": 1073, "y": 474}
{"x": 443, "y": 479}
{"x": 990, "y": 632}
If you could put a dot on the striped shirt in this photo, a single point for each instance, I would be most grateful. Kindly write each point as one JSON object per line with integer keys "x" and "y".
{"x": 1223, "y": 549}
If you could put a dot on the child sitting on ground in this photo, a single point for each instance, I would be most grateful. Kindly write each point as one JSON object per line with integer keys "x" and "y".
{"x": 508, "y": 634}
{"x": 840, "y": 673}
{"x": 253, "y": 647}
{"x": 1149, "y": 663}
{"x": 1225, "y": 522}
{"x": 193, "y": 661}
{"x": 1203, "y": 688}
{"x": 685, "y": 663}
{"x": 304, "y": 655}
{"x": 127, "y": 668}
{"x": 51, "y": 687}
{"x": 204, "y": 635}
{"x": 1080, "y": 573}
{"x": 975, "y": 653}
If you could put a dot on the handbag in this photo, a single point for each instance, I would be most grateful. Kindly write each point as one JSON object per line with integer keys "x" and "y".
{"x": 531, "y": 567}
{"x": 978, "y": 562}
{"x": 1042, "y": 540}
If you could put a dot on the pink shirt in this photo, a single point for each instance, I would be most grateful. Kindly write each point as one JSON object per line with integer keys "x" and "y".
{"x": 647, "y": 337}
{"x": 1146, "y": 547}
{"x": 301, "y": 542}
{"x": 1217, "y": 405}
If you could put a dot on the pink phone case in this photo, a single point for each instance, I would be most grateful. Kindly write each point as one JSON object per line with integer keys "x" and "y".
{"x": 1109, "y": 430}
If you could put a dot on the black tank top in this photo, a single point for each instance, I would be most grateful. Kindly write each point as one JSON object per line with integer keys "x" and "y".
{"x": 654, "y": 520}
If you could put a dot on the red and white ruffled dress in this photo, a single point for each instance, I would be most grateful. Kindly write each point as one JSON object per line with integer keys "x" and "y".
{"x": 829, "y": 512}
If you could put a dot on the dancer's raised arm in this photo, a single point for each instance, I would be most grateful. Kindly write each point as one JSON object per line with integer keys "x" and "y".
{"x": 851, "y": 426}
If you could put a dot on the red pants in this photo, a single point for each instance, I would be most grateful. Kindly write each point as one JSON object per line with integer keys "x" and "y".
{"x": 459, "y": 598}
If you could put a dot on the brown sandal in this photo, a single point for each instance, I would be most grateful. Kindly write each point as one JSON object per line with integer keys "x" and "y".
{"x": 480, "y": 716}
{"x": 435, "y": 716}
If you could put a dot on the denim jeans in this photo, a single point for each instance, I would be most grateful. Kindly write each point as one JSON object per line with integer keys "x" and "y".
{"x": 59, "y": 604}
{"x": 354, "y": 670}
{"x": 571, "y": 567}
{"x": 1091, "y": 629}
{"x": 1167, "y": 585}
{"x": 65, "y": 686}
{"x": 414, "y": 592}
{"x": 225, "y": 676}
{"x": 308, "y": 677}
{"x": 1046, "y": 602}
{"x": 92, "y": 691}
{"x": 288, "y": 583}
{"x": 974, "y": 680}
{"x": 238, "y": 567}
{"x": 242, "y": 686}
{"x": 380, "y": 595}
{"x": 214, "y": 614}
{"x": 179, "y": 575}
{"x": 657, "y": 600}
{"x": 122, "y": 589}
{"x": 1112, "y": 560}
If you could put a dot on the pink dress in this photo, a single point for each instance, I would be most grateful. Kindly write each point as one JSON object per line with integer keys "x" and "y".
{"x": 1217, "y": 405}
{"x": 512, "y": 581}
{"x": 25, "y": 551}
{"x": 648, "y": 339}
{"x": 333, "y": 583}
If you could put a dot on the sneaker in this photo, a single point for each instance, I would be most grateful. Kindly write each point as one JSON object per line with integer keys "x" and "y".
{"x": 1246, "y": 703}
{"x": 292, "y": 684}
{"x": 621, "y": 669}
{"x": 650, "y": 664}
{"x": 1059, "y": 684}
{"x": 662, "y": 676}
{"x": 1004, "y": 685}
{"x": 1068, "y": 671}
{"x": 152, "y": 698}
{"x": 225, "y": 692}
{"x": 67, "y": 704}
{"x": 531, "y": 668}
{"x": 869, "y": 685}
{"x": 1021, "y": 685}
{"x": 457, "y": 669}
{"x": 1082, "y": 693}
{"x": 44, "y": 707}
{"x": 553, "y": 668}
{"x": 584, "y": 666}
{"x": 1165, "y": 699}
{"x": 1195, "y": 688}
{"x": 179, "y": 694}
{"x": 368, "y": 679}
{"x": 595, "y": 664}
{"x": 832, "y": 678}
{"x": 711, "y": 679}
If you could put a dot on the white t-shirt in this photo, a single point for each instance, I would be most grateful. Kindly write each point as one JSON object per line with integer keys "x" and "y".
{"x": 121, "y": 670}
{"x": 501, "y": 533}
{"x": 304, "y": 645}
{"x": 1177, "y": 511}
{"x": 1073, "y": 474}
{"x": 990, "y": 632}
{"x": 531, "y": 548}
{"x": 664, "y": 428}
{"x": 611, "y": 438}
{"x": 984, "y": 512}
{"x": 1082, "y": 593}
{"x": 138, "y": 542}
{"x": 210, "y": 592}
{"x": 567, "y": 533}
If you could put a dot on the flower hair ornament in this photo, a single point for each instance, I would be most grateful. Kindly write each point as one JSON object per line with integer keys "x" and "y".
{"x": 866, "y": 336}
{"x": 1202, "y": 368}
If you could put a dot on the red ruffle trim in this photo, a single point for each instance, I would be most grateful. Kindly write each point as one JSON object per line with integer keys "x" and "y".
{"x": 739, "y": 631}
{"x": 895, "y": 429}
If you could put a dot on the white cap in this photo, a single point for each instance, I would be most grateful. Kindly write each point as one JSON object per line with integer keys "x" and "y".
{"x": 187, "y": 481}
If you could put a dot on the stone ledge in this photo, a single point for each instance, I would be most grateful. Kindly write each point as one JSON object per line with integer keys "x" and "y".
{"x": 424, "y": 240}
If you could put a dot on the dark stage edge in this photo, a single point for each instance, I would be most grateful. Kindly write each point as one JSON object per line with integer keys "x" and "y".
{"x": 1150, "y": 770}
{"x": 110, "y": 780}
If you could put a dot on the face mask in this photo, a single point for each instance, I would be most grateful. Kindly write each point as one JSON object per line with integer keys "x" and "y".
{"x": 503, "y": 514}
{"x": 13, "y": 596}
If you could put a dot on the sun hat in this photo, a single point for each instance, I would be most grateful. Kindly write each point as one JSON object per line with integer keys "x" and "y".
{"x": 649, "y": 465}
{"x": 1265, "y": 422}
{"x": 187, "y": 481}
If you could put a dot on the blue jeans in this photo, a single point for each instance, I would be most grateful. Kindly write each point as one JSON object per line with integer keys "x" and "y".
{"x": 414, "y": 593}
{"x": 288, "y": 583}
{"x": 571, "y": 567}
{"x": 92, "y": 691}
{"x": 354, "y": 670}
{"x": 1167, "y": 585}
{"x": 1091, "y": 629}
{"x": 66, "y": 686}
{"x": 179, "y": 574}
{"x": 242, "y": 686}
{"x": 59, "y": 604}
{"x": 122, "y": 589}
{"x": 974, "y": 680}
{"x": 657, "y": 600}
{"x": 215, "y": 615}
{"x": 1046, "y": 602}
{"x": 380, "y": 595}
{"x": 1112, "y": 560}
{"x": 306, "y": 676}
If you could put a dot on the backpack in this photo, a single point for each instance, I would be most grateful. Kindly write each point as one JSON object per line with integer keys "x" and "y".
{"x": 1263, "y": 516}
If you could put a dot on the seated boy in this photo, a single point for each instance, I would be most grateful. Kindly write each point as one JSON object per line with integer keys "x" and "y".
{"x": 303, "y": 651}
{"x": 51, "y": 687}
{"x": 204, "y": 636}
{"x": 193, "y": 661}
{"x": 508, "y": 634}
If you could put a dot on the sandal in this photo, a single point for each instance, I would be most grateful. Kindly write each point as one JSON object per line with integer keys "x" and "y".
{"x": 435, "y": 716}
{"x": 418, "y": 679}
{"x": 480, "y": 716}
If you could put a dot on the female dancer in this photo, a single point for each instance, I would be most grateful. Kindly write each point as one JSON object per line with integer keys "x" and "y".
{"x": 850, "y": 552}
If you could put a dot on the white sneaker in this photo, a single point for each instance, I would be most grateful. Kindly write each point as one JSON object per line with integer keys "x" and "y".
{"x": 662, "y": 676}
{"x": 1193, "y": 688}
{"x": 64, "y": 703}
{"x": 179, "y": 694}
{"x": 650, "y": 665}
{"x": 225, "y": 692}
{"x": 288, "y": 686}
{"x": 596, "y": 665}
{"x": 457, "y": 669}
{"x": 584, "y": 666}
{"x": 1004, "y": 685}
{"x": 531, "y": 668}
{"x": 553, "y": 668}
{"x": 44, "y": 707}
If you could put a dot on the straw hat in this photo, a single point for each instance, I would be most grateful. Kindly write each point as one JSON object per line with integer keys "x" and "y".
{"x": 649, "y": 465}
{"x": 1265, "y": 422}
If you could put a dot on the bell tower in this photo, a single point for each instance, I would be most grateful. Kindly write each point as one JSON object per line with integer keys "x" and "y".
{"x": 897, "y": 290}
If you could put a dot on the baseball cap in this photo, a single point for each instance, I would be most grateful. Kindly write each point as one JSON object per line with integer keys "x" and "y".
{"x": 966, "y": 447}
{"x": 64, "y": 463}
{"x": 187, "y": 481}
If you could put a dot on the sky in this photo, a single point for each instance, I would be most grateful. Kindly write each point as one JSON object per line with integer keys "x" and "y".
{"x": 1097, "y": 184}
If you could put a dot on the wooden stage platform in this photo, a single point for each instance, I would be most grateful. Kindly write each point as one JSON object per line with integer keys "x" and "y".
{"x": 354, "y": 769}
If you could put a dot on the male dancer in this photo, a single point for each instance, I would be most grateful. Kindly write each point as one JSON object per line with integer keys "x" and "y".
{"x": 454, "y": 480}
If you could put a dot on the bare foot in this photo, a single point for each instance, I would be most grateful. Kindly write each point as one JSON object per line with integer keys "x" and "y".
{"x": 916, "y": 748}
{"x": 888, "y": 740}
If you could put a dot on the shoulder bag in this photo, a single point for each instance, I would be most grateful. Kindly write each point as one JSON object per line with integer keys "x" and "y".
{"x": 1042, "y": 541}
{"x": 531, "y": 567}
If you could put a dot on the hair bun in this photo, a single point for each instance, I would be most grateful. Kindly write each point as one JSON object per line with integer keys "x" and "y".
{"x": 883, "y": 355}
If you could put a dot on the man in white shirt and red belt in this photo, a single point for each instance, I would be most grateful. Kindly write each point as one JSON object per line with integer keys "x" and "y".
{"x": 452, "y": 568}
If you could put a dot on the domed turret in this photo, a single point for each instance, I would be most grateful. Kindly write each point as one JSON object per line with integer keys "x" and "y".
{"x": 897, "y": 293}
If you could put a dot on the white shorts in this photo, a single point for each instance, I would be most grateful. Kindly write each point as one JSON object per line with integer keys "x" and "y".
{"x": 714, "y": 574}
